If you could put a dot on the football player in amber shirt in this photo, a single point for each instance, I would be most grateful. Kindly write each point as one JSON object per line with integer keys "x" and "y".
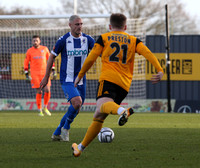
{"x": 37, "y": 56}
{"x": 117, "y": 50}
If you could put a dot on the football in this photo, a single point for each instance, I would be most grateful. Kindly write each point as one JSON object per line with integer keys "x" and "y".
{"x": 106, "y": 135}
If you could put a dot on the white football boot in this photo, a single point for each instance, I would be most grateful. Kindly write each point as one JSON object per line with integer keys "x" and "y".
{"x": 64, "y": 134}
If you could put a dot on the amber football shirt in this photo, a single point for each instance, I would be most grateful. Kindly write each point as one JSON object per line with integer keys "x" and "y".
{"x": 117, "y": 50}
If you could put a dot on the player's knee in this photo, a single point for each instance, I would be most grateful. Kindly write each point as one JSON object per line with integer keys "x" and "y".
{"x": 98, "y": 110}
{"x": 77, "y": 106}
{"x": 99, "y": 115}
{"x": 39, "y": 91}
{"x": 76, "y": 103}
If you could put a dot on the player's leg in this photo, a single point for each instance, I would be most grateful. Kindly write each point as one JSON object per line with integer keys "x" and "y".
{"x": 57, "y": 132}
{"x": 47, "y": 96}
{"x": 75, "y": 103}
{"x": 35, "y": 83}
{"x": 109, "y": 96}
{"x": 126, "y": 113}
{"x": 109, "y": 90}
{"x": 93, "y": 129}
{"x": 69, "y": 117}
{"x": 39, "y": 101}
{"x": 113, "y": 107}
{"x": 105, "y": 93}
{"x": 72, "y": 112}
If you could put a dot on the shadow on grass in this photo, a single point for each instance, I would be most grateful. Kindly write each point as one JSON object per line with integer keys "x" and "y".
{"x": 132, "y": 147}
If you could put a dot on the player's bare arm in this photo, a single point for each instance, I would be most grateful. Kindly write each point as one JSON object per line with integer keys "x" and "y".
{"x": 48, "y": 71}
{"x": 89, "y": 61}
{"x": 77, "y": 80}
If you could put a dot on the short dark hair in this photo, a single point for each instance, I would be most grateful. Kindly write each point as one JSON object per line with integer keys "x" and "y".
{"x": 118, "y": 20}
{"x": 36, "y": 36}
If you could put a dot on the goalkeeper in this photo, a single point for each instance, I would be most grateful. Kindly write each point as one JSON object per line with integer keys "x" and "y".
{"x": 37, "y": 56}
{"x": 117, "y": 50}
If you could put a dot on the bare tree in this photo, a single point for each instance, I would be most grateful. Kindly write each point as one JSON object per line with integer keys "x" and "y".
{"x": 16, "y": 11}
{"x": 152, "y": 10}
{"x": 180, "y": 21}
{"x": 19, "y": 23}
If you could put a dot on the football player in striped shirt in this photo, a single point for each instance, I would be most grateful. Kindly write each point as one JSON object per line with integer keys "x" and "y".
{"x": 74, "y": 47}
{"x": 117, "y": 49}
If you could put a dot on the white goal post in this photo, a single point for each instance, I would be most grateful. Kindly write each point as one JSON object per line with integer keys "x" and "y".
{"x": 15, "y": 38}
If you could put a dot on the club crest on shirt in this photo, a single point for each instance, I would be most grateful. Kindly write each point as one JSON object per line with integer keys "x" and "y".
{"x": 42, "y": 51}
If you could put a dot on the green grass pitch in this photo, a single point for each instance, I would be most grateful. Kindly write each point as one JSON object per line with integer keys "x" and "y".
{"x": 148, "y": 140}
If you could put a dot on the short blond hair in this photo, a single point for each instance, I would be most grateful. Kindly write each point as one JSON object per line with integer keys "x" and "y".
{"x": 73, "y": 17}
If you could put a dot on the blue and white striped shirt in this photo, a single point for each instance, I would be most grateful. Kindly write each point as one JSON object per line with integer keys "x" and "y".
{"x": 73, "y": 54}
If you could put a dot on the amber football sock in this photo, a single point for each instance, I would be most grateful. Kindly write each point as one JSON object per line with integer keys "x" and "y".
{"x": 110, "y": 108}
{"x": 92, "y": 131}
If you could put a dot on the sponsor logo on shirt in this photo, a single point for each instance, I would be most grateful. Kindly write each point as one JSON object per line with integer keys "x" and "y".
{"x": 38, "y": 57}
{"x": 76, "y": 52}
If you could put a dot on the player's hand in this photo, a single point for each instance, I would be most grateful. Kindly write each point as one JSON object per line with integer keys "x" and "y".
{"x": 44, "y": 82}
{"x": 28, "y": 78}
{"x": 157, "y": 78}
{"x": 53, "y": 74}
{"x": 77, "y": 80}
